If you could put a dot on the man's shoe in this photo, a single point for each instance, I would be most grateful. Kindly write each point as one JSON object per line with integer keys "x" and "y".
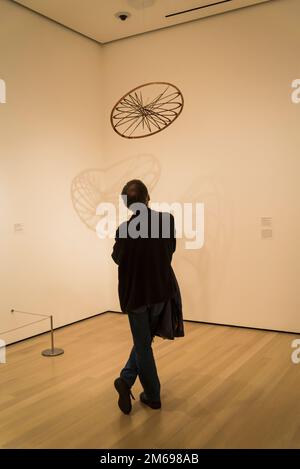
{"x": 124, "y": 401}
{"x": 152, "y": 404}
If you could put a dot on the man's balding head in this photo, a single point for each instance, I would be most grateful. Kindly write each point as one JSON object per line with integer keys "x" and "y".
{"x": 135, "y": 192}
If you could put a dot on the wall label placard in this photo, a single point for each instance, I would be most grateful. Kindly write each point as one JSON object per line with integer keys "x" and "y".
{"x": 266, "y": 224}
{"x": 18, "y": 227}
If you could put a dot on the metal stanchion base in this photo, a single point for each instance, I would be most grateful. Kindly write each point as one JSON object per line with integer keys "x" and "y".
{"x": 49, "y": 352}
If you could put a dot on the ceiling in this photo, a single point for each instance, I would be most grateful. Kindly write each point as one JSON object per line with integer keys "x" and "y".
{"x": 96, "y": 18}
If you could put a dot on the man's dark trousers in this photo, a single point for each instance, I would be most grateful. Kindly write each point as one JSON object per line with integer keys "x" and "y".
{"x": 143, "y": 322}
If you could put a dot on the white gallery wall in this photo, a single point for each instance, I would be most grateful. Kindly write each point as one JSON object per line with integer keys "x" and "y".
{"x": 234, "y": 147}
{"x": 50, "y": 131}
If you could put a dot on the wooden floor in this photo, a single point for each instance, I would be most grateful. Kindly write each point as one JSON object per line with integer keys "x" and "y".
{"x": 222, "y": 387}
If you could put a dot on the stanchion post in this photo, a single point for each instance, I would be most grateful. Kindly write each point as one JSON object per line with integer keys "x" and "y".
{"x": 52, "y": 352}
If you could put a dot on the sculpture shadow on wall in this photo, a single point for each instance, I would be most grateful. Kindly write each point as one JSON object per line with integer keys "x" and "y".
{"x": 97, "y": 185}
{"x": 200, "y": 271}
{"x": 203, "y": 271}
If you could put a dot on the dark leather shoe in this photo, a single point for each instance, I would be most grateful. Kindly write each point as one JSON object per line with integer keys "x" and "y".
{"x": 152, "y": 404}
{"x": 125, "y": 395}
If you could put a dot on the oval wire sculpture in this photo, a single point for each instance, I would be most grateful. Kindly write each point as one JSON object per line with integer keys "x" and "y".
{"x": 137, "y": 116}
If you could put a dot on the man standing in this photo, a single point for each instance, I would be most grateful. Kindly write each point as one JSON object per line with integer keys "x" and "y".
{"x": 143, "y": 251}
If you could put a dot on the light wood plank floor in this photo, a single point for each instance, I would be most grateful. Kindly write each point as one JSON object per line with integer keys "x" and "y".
{"x": 222, "y": 387}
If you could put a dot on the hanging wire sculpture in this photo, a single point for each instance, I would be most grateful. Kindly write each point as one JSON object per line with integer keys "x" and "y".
{"x": 147, "y": 110}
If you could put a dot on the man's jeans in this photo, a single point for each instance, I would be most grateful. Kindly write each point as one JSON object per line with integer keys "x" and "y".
{"x": 143, "y": 322}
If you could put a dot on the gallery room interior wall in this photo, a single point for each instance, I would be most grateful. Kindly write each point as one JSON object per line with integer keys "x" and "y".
{"x": 50, "y": 132}
{"x": 234, "y": 147}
